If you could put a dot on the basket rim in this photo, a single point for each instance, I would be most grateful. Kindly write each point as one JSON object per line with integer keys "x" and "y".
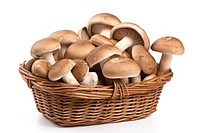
{"x": 117, "y": 90}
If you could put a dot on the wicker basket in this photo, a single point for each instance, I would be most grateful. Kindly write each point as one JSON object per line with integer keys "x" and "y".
{"x": 76, "y": 105}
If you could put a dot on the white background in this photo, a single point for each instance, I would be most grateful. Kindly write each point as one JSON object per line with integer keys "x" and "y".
{"x": 24, "y": 22}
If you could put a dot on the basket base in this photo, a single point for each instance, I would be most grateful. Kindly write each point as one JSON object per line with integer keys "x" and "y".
{"x": 66, "y": 111}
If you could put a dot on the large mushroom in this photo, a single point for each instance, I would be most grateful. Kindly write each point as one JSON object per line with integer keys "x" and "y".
{"x": 168, "y": 46}
{"x": 62, "y": 69}
{"x": 79, "y": 50}
{"x": 128, "y": 34}
{"x": 101, "y": 53}
{"x": 45, "y": 48}
{"x": 82, "y": 74}
{"x": 119, "y": 67}
{"x": 102, "y": 23}
{"x": 66, "y": 38}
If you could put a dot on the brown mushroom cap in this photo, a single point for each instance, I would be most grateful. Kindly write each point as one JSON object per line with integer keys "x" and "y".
{"x": 98, "y": 39}
{"x": 102, "y": 19}
{"x": 168, "y": 45}
{"x": 131, "y": 30}
{"x": 101, "y": 53}
{"x": 60, "y": 68}
{"x": 80, "y": 69}
{"x": 144, "y": 59}
{"x": 43, "y": 46}
{"x": 83, "y": 34}
{"x": 65, "y": 37}
{"x": 120, "y": 67}
{"x": 41, "y": 68}
{"x": 79, "y": 50}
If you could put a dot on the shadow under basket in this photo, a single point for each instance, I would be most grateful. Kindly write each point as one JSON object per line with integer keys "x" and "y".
{"x": 78, "y": 105}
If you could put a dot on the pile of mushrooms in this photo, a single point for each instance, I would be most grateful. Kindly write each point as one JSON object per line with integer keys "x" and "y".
{"x": 104, "y": 50}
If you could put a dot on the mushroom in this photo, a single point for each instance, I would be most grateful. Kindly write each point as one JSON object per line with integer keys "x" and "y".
{"x": 128, "y": 34}
{"x": 144, "y": 59}
{"x": 29, "y": 64}
{"x": 98, "y": 39}
{"x": 62, "y": 69}
{"x": 45, "y": 48}
{"x": 83, "y": 34}
{"x": 118, "y": 67}
{"x": 168, "y": 46}
{"x": 101, "y": 54}
{"x": 79, "y": 50}
{"x": 41, "y": 68}
{"x": 66, "y": 38}
{"x": 82, "y": 74}
{"x": 102, "y": 23}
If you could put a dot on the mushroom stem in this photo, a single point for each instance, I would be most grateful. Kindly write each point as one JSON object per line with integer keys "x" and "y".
{"x": 136, "y": 79}
{"x": 69, "y": 78}
{"x": 49, "y": 57}
{"x": 125, "y": 80}
{"x": 164, "y": 64}
{"x": 124, "y": 43}
{"x": 90, "y": 79}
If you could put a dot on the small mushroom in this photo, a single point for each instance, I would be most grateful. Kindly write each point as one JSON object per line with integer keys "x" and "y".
{"x": 149, "y": 77}
{"x": 102, "y": 23}
{"x": 128, "y": 34}
{"x": 66, "y": 38}
{"x": 98, "y": 40}
{"x": 41, "y": 68}
{"x": 101, "y": 54}
{"x": 29, "y": 64}
{"x": 62, "y": 69}
{"x": 82, "y": 74}
{"x": 83, "y": 34}
{"x": 79, "y": 50}
{"x": 118, "y": 67}
{"x": 45, "y": 48}
{"x": 168, "y": 46}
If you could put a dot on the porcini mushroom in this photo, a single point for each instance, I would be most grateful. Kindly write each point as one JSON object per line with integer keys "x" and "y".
{"x": 66, "y": 38}
{"x": 79, "y": 50}
{"x": 168, "y": 46}
{"x": 41, "y": 68}
{"x": 45, "y": 48}
{"x": 128, "y": 34}
{"x": 118, "y": 67}
{"x": 82, "y": 74}
{"x": 102, "y": 23}
{"x": 62, "y": 69}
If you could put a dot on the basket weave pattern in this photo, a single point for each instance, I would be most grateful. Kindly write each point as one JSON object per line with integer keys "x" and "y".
{"x": 76, "y": 105}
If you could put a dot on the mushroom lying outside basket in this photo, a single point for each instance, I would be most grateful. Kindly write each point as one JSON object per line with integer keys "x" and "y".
{"x": 78, "y": 103}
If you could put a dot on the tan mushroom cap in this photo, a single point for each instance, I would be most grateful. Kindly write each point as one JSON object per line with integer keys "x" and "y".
{"x": 83, "y": 34}
{"x": 144, "y": 59}
{"x": 131, "y": 30}
{"x": 65, "y": 37}
{"x": 101, "y": 53}
{"x": 43, "y": 46}
{"x": 106, "y": 19}
{"x": 120, "y": 67}
{"x": 41, "y": 68}
{"x": 80, "y": 69}
{"x": 168, "y": 45}
{"x": 98, "y": 39}
{"x": 60, "y": 68}
{"x": 79, "y": 50}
